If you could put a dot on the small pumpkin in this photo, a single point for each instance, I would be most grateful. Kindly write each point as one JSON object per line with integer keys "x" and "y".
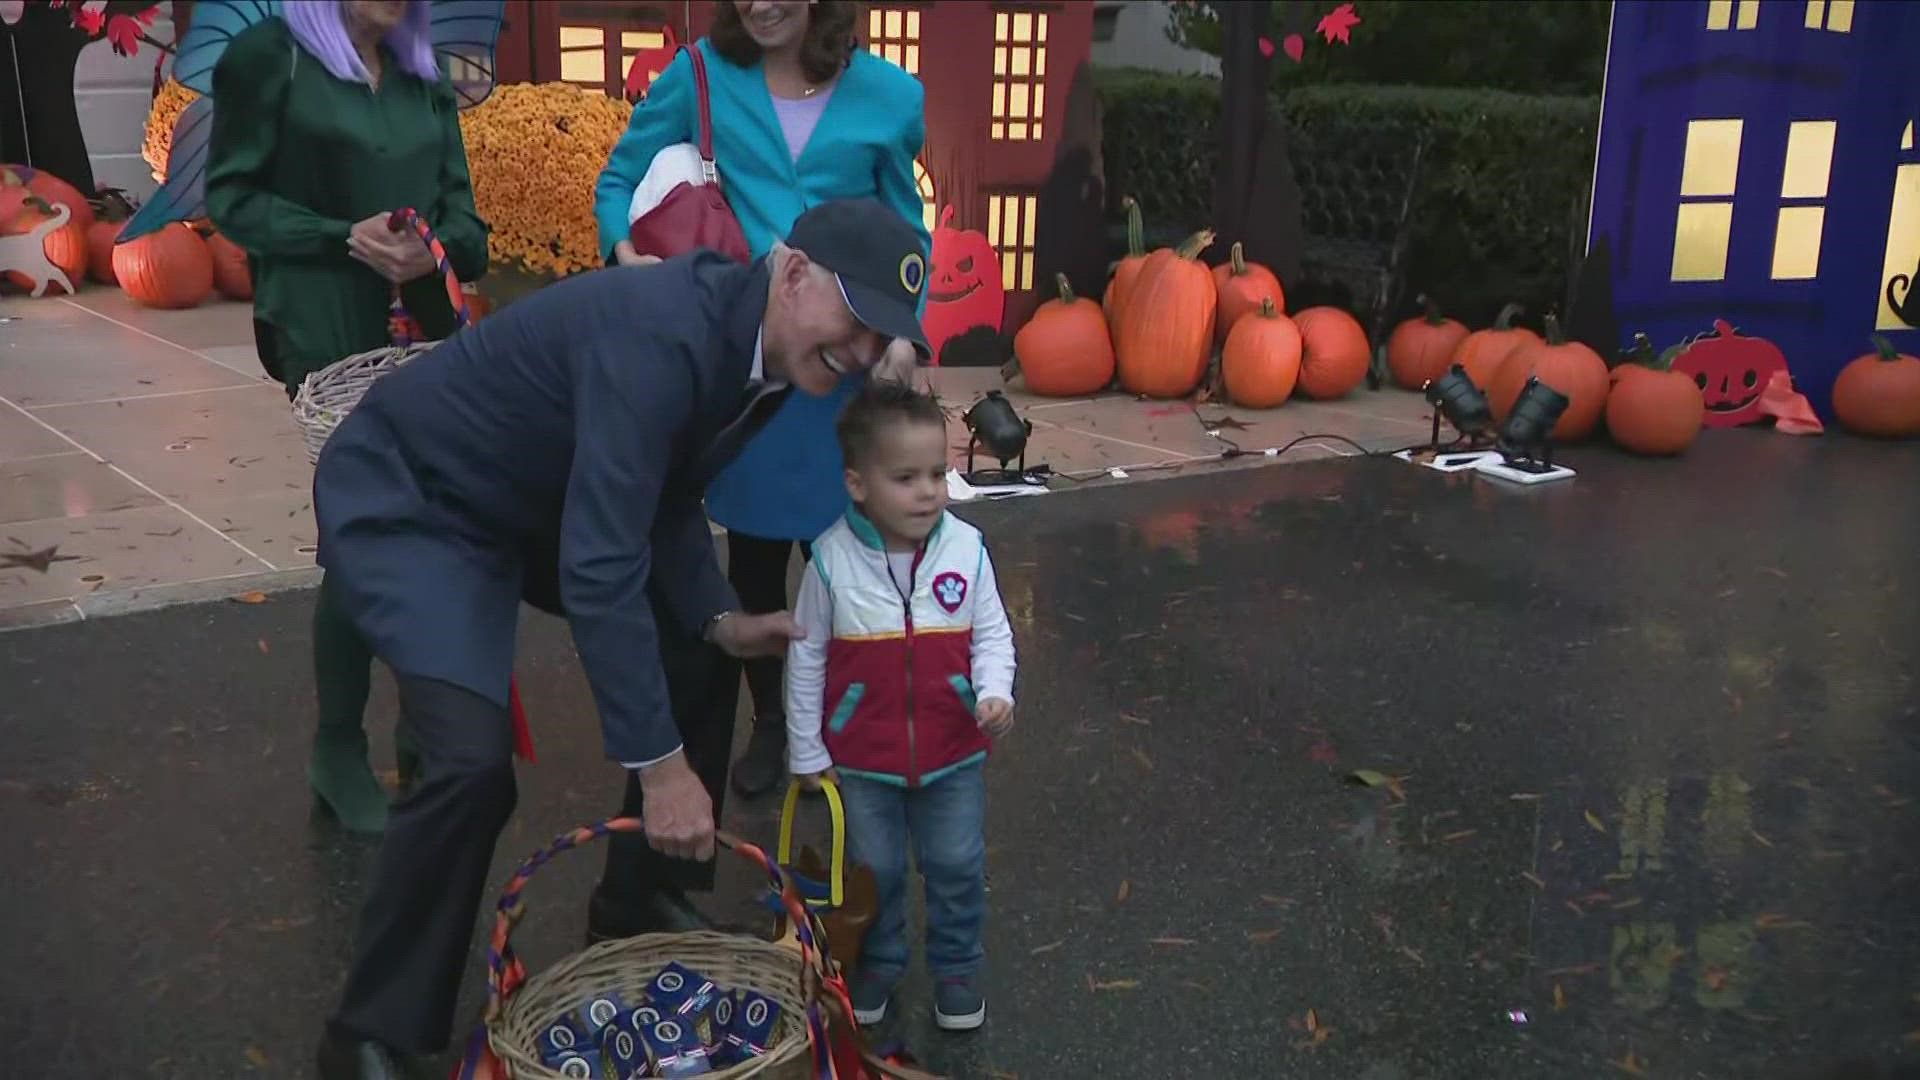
{"x": 1166, "y": 322}
{"x": 108, "y": 220}
{"x": 1879, "y": 393}
{"x": 231, "y": 275}
{"x": 171, "y": 268}
{"x": 1334, "y": 354}
{"x": 1261, "y": 361}
{"x": 1569, "y": 367}
{"x": 1421, "y": 349}
{"x": 1064, "y": 350}
{"x": 28, "y": 180}
{"x": 1655, "y": 410}
{"x": 1482, "y": 351}
{"x": 1127, "y": 270}
{"x": 1242, "y": 287}
{"x": 65, "y": 246}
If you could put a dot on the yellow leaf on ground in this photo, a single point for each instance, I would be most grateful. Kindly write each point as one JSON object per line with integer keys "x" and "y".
{"x": 1559, "y": 998}
{"x": 1112, "y": 984}
{"x": 1313, "y": 1020}
{"x": 251, "y": 598}
{"x": 1263, "y": 937}
{"x": 1593, "y": 819}
{"x": 1126, "y": 890}
{"x": 1538, "y": 881}
{"x": 257, "y": 1057}
{"x": 1630, "y": 1065}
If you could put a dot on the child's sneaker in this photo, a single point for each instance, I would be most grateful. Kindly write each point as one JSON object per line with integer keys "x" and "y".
{"x": 958, "y": 1004}
{"x": 870, "y": 995}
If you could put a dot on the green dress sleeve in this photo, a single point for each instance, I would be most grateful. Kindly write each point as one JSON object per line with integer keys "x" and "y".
{"x": 454, "y": 218}
{"x": 251, "y": 85}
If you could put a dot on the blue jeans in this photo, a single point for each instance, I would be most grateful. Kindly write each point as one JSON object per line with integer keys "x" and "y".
{"x": 946, "y": 823}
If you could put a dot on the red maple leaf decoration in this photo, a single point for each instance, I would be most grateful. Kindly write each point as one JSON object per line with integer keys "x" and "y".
{"x": 123, "y": 31}
{"x": 1296, "y": 47}
{"x": 1338, "y": 23}
{"x": 89, "y": 20}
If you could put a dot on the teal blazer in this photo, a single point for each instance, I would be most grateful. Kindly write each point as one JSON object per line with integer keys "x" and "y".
{"x": 789, "y": 482}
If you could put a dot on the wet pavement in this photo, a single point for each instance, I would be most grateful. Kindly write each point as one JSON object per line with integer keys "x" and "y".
{"x": 1645, "y": 747}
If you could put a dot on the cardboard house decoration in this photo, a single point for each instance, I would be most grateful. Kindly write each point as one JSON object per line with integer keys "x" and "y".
{"x": 996, "y": 76}
{"x": 1758, "y": 164}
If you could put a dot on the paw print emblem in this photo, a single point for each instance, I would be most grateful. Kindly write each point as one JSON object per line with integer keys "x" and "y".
{"x": 950, "y": 591}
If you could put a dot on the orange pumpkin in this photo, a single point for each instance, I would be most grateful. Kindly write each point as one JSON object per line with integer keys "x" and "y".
{"x": 1064, "y": 350}
{"x": 231, "y": 276}
{"x": 1261, "y": 361}
{"x": 1879, "y": 393}
{"x": 1567, "y": 366}
{"x": 1166, "y": 322}
{"x": 1655, "y": 410}
{"x": 1334, "y": 354}
{"x": 171, "y": 268}
{"x": 1421, "y": 349}
{"x": 1242, "y": 287}
{"x": 1127, "y": 270}
{"x": 100, "y": 239}
{"x": 65, "y": 246}
{"x": 1482, "y": 351}
{"x": 47, "y": 186}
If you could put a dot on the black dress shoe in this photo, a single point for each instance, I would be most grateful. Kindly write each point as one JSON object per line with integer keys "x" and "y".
{"x": 763, "y": 764}
{"x": 662, "y": 911}
{"x": 345, "y": 1058}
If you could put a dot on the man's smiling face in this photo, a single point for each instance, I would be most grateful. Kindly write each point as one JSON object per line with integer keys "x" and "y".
{"x": 811, "y": 338}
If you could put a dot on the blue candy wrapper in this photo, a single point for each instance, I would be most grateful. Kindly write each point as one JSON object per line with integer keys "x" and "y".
{"x": 744, "y": 1023}
{"x": 564, "y": 1038}
{"x": 597, "y": 1012}
{"x": 676, "y": 1050}
{"x": 679, "y": 990}
{"x": 623, "y": 1053}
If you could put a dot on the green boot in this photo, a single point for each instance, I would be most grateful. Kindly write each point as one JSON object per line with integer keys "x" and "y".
{"x": 343, "y": 782}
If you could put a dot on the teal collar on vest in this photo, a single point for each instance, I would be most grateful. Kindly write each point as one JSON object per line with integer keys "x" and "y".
{"x": 863, "y": 528}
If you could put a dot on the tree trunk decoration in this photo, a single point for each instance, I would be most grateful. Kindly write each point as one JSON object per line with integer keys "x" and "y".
{"x": 39, "y": 50}
{"x": 1256, "y": 201}
{"x": 1070, "y": 232}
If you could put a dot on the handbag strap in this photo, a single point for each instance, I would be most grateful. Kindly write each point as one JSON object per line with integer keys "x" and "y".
{"x": 836, "y": 860}
{"x": 706, "y": 111}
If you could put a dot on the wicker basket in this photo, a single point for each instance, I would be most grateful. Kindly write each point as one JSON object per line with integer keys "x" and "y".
{"x": 795, "y": 973}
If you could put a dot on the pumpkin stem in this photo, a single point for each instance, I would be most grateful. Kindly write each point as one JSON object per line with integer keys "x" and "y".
{"x": 1136, "y": 229}
{"x": 1267, "y": 308}
{"x": 1664, "y": 362}
{"x": 1642, "y": 351}
{"x": 1504, "y": 321}
{"x": 1192, "y": 246}
{"x": 37, "y": 203}
{"x": 1432, "y": 310}
{"x": 1239, "y": 258}
{"x": 1884, "y": 347}
{"x": 1066, "y": 289}
{"x": 1554, "y": 334}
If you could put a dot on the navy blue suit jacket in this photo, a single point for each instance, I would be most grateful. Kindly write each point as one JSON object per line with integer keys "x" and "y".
{"x": 570, "y": 435}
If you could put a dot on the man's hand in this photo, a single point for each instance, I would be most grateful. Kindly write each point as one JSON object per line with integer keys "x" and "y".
{"x": 816, "y": 781}
{"x": 625, "y": 255}
{"x": 748, "y": 636}
{"x": 399, "y": 257}
{"x": 898, "y": 363}
{"x": 995, "y": 716}
{"x": 677, "y": 810}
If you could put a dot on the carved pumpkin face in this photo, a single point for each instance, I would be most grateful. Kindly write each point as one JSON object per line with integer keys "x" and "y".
{"x": 1731, "y": 371}
{"x": 963, "y": 288}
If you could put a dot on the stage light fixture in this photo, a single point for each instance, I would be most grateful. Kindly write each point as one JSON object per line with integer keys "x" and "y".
{"x": 1526, "y": 439}
{"x": 1455, "y": 398}
{"x": 996, "y": 428}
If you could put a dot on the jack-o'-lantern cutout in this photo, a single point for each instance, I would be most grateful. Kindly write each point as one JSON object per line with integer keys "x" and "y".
{"x": 963, "y": 288}
{"x": 1732, "y": 372}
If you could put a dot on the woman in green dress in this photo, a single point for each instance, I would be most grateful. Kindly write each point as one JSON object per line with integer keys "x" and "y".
{"x": 330, "y": 117}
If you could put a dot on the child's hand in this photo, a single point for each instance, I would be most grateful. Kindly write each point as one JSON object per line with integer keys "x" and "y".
{"x": 815, "y": 781}
{"x": 995, "y": 716}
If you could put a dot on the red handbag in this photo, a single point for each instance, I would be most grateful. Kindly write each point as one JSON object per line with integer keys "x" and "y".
{"x": 693, "y": 215}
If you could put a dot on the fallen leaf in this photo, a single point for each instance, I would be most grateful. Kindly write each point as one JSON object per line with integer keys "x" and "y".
{"x": 1313, "y": 1020}
{"x": 1112, "y": 984}
{"x": 263, "y": 647}
{"x": 1557, "y": 844}
{"x": 1618, "y": 877}
{"x": 1576, "y": 909}
{"x": 1276, "y": 901}
{"x": 1559, "y": 998}
{"x": 1625, "y": 904}
{"x": 1126, "y": 890}
{"x": 1538, "y": 882}
{"x": 257, "y": 1057}
{"x": 1523, "y": 796}
{"x": 1596, "y": 897}
{"x": 1593, "y": 819}
{"x": 1048, "y": 947}
{"x": 1129, "y": 718}
{"x": 1582, "y": 969}
{"x": 1411, "y": 954}
{"x": 40, "y": 561}
{"x": 1172, "y": 941}
{"x": 1716, "y": 979}
{"x": 1140, "y": 756}
{"x": 1629, "y": 1065}
{"x": 1777, "y": 921}
{"x": 1461, "y": 835}
{"x": 1263, "y": 937}
{"x": 1369, "y": 777}
{"x": 1761, "y": 840}
{"x": 251, "y": 598}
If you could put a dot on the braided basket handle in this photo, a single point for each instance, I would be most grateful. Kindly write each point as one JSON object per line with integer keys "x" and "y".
{"x": 405, "y": 330}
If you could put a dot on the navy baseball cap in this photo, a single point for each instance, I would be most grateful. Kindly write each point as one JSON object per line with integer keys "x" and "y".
{"x": 876, "y": 256}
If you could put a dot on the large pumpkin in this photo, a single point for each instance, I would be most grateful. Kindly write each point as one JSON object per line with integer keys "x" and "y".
{"x": 1166, "y": 322}
{"x": 1261, "y": 361}
{"x": 65, "y": 246}
{"x": 171, "y": 268}
{"x": 1879, "y": 393}
{"x": 27, "y": 180}
{"x": 1064, "y": 350}
{"x": 1334, "y": 354}
{"x": 964, "y": 285}
{"x": 1482, "y": 351}
{"x": 1242, "y": 287}
{"x": 1567, "y": 366}
{"x": 1127, "y": 270}
{"x": 1652, "y": 409}
{"x": 231, "y": 275}
{"x": 1421, "y": 349}
{"x": 1732, "y": 371}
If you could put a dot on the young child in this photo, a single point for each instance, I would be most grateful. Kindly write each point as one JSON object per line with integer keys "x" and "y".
{"x": 908, "y": 663}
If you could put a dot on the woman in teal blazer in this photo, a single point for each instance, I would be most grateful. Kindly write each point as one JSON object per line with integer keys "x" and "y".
{"x": 801, "y": 115}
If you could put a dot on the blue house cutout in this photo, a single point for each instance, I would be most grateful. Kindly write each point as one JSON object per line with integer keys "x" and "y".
{"x": 1758, "y": 163}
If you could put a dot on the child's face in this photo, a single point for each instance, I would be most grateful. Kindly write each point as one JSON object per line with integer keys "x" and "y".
{"x": 902, "y": 487}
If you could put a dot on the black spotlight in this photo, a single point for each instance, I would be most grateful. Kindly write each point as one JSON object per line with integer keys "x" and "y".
{"x": 997, "y": 429}
{"x": 1526, "y": 441}
{"x": 1454, "y": 396}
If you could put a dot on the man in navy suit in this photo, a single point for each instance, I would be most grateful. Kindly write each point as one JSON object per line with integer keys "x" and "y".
{"x": 557, "y": 452}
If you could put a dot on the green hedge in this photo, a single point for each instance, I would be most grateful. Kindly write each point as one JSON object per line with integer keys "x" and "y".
{"x": 1500, "y": 196}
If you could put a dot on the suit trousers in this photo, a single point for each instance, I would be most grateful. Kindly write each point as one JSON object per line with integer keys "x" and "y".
{"x": 757, "y": 569}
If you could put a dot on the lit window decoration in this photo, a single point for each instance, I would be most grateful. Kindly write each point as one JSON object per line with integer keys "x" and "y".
{"x": 1019, "y": 76}
{"x": 1831, "y": 15}
{"x": 1743, "y": 15}
{"x": 1803, "y": 187}
{"x": 894, "y": 34}
{"x": 1704, "y": 223}
{"x": 1010, "y": 232}
{"x": 923, "y": 180}
{"x": 583, "y": 56}
{"x": 1903, "y": 235}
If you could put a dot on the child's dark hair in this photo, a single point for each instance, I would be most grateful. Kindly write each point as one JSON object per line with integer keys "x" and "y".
{"x": 880, "y": 403}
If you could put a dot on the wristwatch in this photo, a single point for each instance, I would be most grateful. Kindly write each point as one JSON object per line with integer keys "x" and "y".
{"x": 712, "y": 624}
